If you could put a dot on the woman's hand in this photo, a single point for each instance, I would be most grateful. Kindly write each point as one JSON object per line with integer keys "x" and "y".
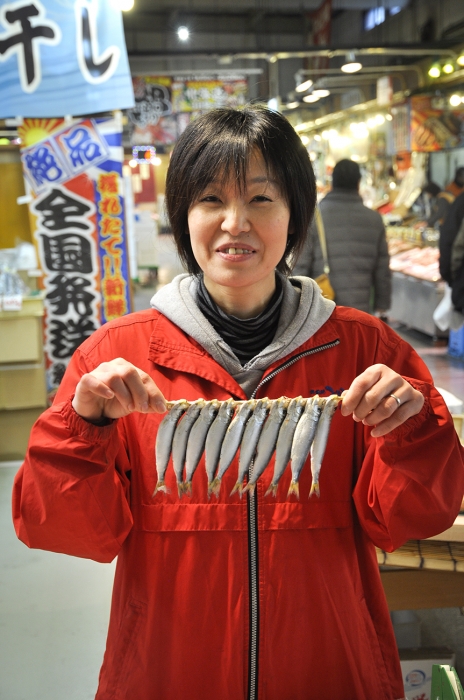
{"x": 369, "y": 399}
{"x": 114, "y": 389}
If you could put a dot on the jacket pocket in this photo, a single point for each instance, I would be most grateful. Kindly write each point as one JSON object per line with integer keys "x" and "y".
{"x": 125, "y": 649}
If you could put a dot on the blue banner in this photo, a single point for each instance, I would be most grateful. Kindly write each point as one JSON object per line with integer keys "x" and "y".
{"x": 62, "y": 57}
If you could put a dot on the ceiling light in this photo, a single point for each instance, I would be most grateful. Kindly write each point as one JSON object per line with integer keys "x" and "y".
{"x": 434, "y": 70}
{"x": 448, "y": 67}
{"x": 304, "y": 140}
{"x": 317, "y": 137}
{"x": 183, "y": 33}
{"x": 273, "y": 59}
{"x": 325, "y": 135}
{"x": 460, "y": 59}
{"x": 379, "y": 119}
{"x": 292, "y": 105}
{"x": 321, "y": 93}
{"x": 310, "y": 98}
{"x": 304, "y": 86}
{"x": 455, "y": 100}
{"x": 351, "y": 65}
{"x": 124, "y": 5}
{"x": 389, "y": 117}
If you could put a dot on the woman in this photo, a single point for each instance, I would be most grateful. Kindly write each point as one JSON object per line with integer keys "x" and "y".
{"x": 260, "y": 597}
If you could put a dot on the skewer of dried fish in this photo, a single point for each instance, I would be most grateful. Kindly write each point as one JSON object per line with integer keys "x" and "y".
{"x": 284, "y": 441}
{"x": 303, "y": 439}
{"x": 179, "y": 442}
{"x": 320, "y": 440}
{"x": 164, "y": 439}
{"x": 196, "y": 441}
{"x": 267, "y": 442}
{"x": 231, "y": 443}
{"x": 250, "y": 440}
{"x": 214, "y": 440}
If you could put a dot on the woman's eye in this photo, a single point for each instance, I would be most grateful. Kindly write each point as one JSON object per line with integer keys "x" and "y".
{"x": 210, "y": 198}
{"x": 261, "y": 198}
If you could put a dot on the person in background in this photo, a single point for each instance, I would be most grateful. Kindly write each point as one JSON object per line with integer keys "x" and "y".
{"x": 448, "y": 232}
{"x": 456, "y": 187}
{"x": 266, "y": 597}
{"x": 440, "y": 201}
{"x": 356, "y": 245}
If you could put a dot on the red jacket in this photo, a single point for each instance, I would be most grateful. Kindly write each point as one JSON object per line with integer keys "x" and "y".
{"x": 184, "y": 595}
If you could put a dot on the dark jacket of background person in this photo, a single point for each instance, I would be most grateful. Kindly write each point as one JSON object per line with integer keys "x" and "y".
{"x": 448, "y": 232}
{"x": 356, "y": 245}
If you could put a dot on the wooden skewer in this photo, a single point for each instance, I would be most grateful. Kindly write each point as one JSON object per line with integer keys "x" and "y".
{"x": 170, "y": 404}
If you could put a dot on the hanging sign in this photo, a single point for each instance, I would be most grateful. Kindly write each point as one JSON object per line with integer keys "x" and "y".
{"x": 59, "y": 58}
{"x": 74, "y": 175}
{"x": 434, "y": 128}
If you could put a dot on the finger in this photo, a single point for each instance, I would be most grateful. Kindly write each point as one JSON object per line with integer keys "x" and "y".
{"x": 386, "y": 407}
{"x": 91, "y": 384}
{"x": 156, "y": 400}
{"x": 399, "y": 417}
{"x": 368, "y": 389}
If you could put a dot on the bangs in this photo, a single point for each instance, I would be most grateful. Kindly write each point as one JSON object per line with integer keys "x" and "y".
{"x": 225, "y": 160}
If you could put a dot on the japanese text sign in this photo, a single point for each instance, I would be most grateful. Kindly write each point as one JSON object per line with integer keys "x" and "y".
{"x": 74, "y": 174}
{"x": 59, "y": 58}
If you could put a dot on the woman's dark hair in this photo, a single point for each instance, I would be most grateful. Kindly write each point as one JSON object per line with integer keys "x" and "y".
{"x": 218, "y": 145}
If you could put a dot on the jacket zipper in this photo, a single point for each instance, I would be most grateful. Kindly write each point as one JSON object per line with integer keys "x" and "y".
{"x": 252, "y": 510}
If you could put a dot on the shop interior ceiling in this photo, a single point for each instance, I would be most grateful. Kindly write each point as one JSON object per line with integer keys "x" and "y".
{"x": 272, "y": 40}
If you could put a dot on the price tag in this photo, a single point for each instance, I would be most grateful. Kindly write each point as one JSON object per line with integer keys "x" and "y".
{"x": 12, "y": 302}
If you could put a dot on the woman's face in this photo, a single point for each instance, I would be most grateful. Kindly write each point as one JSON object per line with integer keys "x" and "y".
{"x": 238, "y": 239}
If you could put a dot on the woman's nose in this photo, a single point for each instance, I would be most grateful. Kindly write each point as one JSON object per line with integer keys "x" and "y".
{"x": 235, "y": 220}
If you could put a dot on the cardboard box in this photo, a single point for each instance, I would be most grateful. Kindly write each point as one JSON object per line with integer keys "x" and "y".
{"x": 416, "y": 666}
{"x": 15, "y": 427}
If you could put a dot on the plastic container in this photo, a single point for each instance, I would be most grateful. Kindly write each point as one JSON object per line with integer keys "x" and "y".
{"x": 456, "y": 343}
{"x": 407, "y": 628}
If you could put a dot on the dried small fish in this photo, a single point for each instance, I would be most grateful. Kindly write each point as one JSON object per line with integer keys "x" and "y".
{"x": 214, "y": 440}
{"x": 284, "y": 441}
{"x": 320, "y": 440}
{"x": 250, "y": 440}
{"x": 303, "y": 439}
{"x": 231, "y": 442}
{"x": 179, "y": 442}
{"x": 267, "y": 442}
{"x": 196, "y": 441}
{"x": 164, "y": 439}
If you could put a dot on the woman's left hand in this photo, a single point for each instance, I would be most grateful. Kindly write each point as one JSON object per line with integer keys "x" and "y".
{"x": 382, "y": 398}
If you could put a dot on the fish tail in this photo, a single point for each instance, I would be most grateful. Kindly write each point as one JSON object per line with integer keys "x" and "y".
{"x": 161, "y": 486}
{"x": 249, "y": 488}
{"x": 187, "y": 488}
{"x": 215, "y": 486}
{"x": 272, "y": 490}
{"x": 238, "y": 487}
{"x": 315, "y": 489}
{"x": 294, "y": 488}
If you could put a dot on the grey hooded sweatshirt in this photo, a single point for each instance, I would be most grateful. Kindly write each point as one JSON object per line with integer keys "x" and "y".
{"x": 304, "y": 310}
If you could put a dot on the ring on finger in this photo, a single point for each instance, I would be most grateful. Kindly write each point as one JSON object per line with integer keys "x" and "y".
{"x": 398, "y": 401}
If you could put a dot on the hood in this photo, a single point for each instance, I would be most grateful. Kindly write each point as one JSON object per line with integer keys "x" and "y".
{"x": 304, "y": 311}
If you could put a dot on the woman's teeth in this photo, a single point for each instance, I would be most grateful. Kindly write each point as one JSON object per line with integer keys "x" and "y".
{"x": 235, "y": 251}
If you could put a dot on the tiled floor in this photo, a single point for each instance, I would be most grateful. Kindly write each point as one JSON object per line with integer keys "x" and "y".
{"x": 54, "y": 609}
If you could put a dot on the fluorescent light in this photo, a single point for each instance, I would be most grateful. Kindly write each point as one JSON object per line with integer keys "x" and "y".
{"x": 304, "y": 86}
{"x": 304, "y": 139}
{"x": 460, "y": 60}
{"x": 183, "y": 33}
{"x": 434, "y": 71}
{"x": 351, "y": 65}
{"x": 124, "y": 5}
{"x": 448, "y": 68}
{"x": 292, "y": 105}
{"x": 455, "y": 100}
{"x": 310, "y": 98}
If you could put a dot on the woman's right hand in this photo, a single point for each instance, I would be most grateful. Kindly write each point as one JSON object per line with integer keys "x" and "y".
{"x": 114, "y": 389}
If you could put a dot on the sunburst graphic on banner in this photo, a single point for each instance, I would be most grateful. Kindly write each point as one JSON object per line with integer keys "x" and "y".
{"x": 33, "y": 130}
